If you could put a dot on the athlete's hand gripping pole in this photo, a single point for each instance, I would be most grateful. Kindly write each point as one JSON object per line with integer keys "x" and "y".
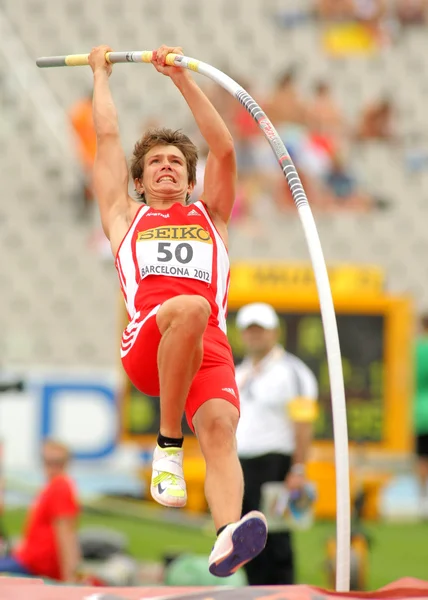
{"x": 81, "y": 60}
{"x": 343, "y": 532}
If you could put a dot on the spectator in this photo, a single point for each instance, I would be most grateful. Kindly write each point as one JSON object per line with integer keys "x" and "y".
{"x": 421, "y": 414}
{"x": 367, "y": 11}
{"x": 325, "y": 119}
{"x": 377, "y": 122}
{"x": 240, "y": 123}
{"x": 246, "y": 134}
{"x": 326, "y": 132}
{"x": 370, "y": 12}
{"x": 50, "y": 545}
{"x": 283, "y": 198}
{"x": 356, "y": 25}
{"x": 278, "y": 405}
{"x": 335, "y": 10}
{"x": 285, "y": 105}
{"x": 412, "y": 12}
{"x": 344, "y": 188}
{"x": 288, "y": 112}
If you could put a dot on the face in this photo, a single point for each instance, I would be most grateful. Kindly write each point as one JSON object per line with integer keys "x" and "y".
{"x": 165, "y": 174}
{"x": 259, "y": 341}
{"x": 54, "y": 461}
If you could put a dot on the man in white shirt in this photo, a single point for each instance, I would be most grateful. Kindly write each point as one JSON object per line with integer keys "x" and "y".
{"x": 278, "y": 395}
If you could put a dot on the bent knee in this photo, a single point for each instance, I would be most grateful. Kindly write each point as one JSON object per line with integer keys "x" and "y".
{"x": 196, "y": 306}
{"x": 217, "y": 433}
{"x": 190, "y": 312}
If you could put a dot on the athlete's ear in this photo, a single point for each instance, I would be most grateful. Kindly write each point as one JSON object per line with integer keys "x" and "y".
{"x": 139, "y": 188}
{"x": 190, "y": 188}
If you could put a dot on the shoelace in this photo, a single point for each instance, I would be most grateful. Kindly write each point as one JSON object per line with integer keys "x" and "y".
{"x": 173, "y": 479}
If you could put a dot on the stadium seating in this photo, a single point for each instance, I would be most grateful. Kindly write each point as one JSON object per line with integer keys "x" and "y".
{"x": 59, "y": 302}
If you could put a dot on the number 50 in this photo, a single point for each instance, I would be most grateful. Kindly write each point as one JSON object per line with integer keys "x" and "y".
{"x": 183, "y": 252}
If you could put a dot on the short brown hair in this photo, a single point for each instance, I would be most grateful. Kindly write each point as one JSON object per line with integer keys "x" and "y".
{"x": 56, "y": 445}
{"x": 164, "y": 137}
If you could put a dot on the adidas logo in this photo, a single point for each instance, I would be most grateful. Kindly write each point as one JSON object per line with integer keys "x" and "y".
{"x": 193, "y": 213}
{"x": 230, "y": 390}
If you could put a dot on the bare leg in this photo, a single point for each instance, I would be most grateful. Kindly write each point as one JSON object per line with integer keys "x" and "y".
{"x": 215, "y": 425}
{"x": 240, "y": 539}
{"x": 182, "y": 322}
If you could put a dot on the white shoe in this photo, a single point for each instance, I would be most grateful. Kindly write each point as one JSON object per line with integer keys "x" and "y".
{"x": 168, "y": 486}
{"x": 238, "y": 543}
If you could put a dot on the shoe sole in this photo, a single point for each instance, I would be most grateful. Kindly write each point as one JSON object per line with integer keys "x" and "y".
{"x": 173, "y": 503}
{"x": 248, "y": 540}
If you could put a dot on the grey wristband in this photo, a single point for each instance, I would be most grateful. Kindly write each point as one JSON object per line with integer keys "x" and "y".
{"x": 298, "y": 469}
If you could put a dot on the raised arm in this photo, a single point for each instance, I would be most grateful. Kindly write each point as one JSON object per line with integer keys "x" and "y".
{"x": 220, "y": 170}
{"x": 110, "y": 176}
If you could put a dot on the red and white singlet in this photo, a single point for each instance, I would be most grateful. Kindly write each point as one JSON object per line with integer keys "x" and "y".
{"x": 167, "y": 253}
{"x": 170, "y": 252}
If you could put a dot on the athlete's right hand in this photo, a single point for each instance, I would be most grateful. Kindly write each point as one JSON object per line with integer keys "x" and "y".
{"x": 97, "y": 59}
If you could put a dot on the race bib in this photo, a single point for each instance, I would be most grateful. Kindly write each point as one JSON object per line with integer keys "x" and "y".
{"x": 176, "y": 251}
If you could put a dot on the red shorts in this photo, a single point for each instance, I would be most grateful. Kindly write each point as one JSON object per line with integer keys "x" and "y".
{"x": 215, "y": 378}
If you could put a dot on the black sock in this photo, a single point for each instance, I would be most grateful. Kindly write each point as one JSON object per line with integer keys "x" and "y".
{"x": 167, "y": 442}
{"x": 222, "y": 529}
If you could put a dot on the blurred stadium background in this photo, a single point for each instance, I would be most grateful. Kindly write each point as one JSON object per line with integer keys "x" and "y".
{"x": 345, "y": 83}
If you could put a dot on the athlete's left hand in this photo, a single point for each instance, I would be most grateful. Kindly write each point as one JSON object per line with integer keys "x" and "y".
{"x": 160, "y": 65}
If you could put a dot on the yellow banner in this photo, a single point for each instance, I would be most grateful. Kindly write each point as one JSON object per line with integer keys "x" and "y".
{"x": 344, "y": 279}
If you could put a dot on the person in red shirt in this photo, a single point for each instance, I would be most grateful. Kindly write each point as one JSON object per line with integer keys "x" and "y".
{"x": 50, "y": 545}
